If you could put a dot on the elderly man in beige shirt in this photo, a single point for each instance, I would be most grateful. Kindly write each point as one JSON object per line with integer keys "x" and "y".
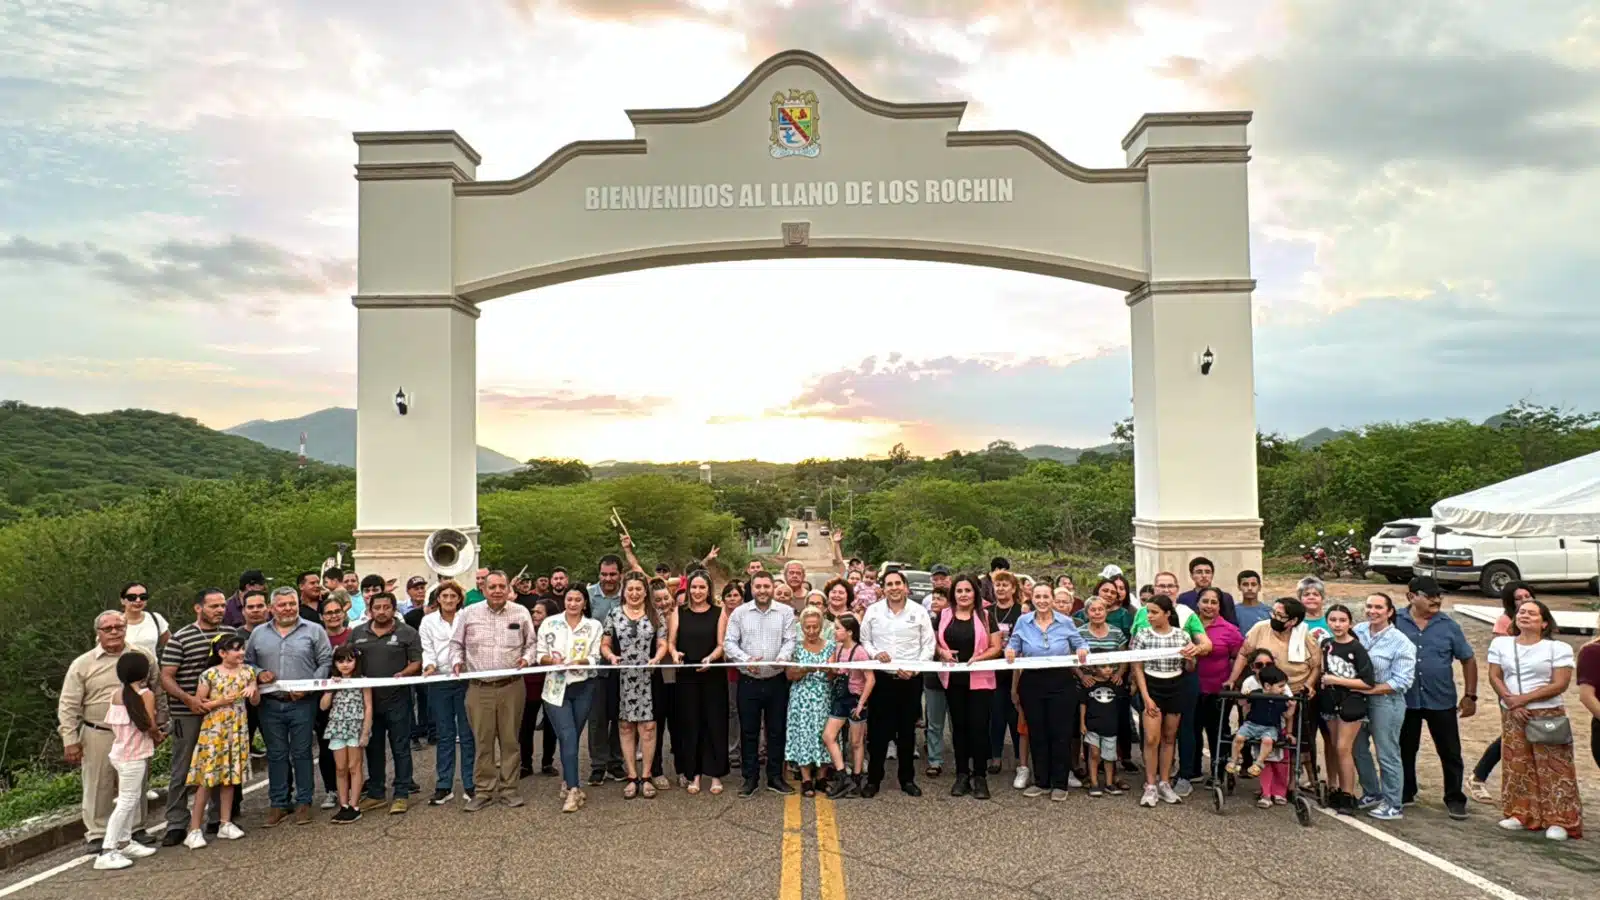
{"x": 86, "y": 692}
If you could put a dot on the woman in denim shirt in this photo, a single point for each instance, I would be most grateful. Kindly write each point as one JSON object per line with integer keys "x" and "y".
{"x": 1049, "y": 696}
{"x": 1394, "y": 667}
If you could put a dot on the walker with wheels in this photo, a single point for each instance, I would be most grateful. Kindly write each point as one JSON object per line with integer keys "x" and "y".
{"x": 1222, "y": 787}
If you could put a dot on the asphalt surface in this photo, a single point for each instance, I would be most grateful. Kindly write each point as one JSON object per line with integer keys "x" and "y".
{"x": 934, "y": 847}
{"x": 893, "y": 846}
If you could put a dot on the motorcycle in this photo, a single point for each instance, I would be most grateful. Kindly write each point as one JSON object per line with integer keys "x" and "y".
{"x": 1341, "y": 555}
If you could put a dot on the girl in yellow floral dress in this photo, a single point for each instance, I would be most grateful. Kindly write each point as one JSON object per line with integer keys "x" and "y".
{"x": 222, "y": 753}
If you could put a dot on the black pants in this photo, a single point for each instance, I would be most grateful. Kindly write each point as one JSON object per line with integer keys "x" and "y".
{"x": 892, "y": 716}
{"x": 534, "y": 719}
{"x": 325, "y": 762}
{"x": 969, "y": 725}
{"x": 762, "y": 701}
{"x": 1050, "y": 704}
{"x": 1488, "y": 761}
{"x": 1212, "y": 733}
{"x": 1446, "y": 733}
{"x": 1594, "y": 741}
{"x": 664, "y": 700}
{"x": 701, "y": 714}
{"x": 1002, "y": 718}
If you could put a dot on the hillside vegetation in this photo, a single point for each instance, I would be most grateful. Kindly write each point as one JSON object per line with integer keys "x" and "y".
{"x": 56, "y": 460}
{"x": 57, "y": 571}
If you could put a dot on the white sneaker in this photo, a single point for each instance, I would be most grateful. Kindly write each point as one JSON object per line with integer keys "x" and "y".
{"x": 136, "y": 850}
{"x": 1021, "y": 781}
{"x": 1555, "y": 833}
{"x": 112, "y": 859}
{"x": 329, "y": 801}
{"x": 152, "y": 795}
{"x": 1073, "y": 782}
{"x": 1511, "y": 824}
{"x": 195, "y": 840}
{"x": 1149, "y": 798}
{"x": 1167, "y": 794}
{"x": 230, "y": 832}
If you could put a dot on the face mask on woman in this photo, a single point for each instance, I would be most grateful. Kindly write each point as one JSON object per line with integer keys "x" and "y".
{"x": 1279, "y": 625}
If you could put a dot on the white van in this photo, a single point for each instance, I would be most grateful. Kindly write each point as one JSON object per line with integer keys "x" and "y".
{"x": 1460, "y": 559}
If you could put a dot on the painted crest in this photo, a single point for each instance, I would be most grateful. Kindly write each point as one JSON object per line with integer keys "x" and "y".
{"x": 795, "y": 119}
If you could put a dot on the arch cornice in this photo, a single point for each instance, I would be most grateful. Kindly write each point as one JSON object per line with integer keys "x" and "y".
{"x": 688, "y": 115}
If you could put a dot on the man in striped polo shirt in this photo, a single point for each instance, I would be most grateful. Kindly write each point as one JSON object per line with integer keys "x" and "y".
{"x": 183, "y": 659}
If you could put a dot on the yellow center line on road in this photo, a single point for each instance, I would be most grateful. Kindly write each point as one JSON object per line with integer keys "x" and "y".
{"x": 828, "y": 852}
{"x": 793, "y": 856}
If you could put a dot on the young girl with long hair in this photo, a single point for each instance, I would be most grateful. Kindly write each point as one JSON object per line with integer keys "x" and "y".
{"x": 1346, "y": 674}
{"x": 851, "y": 690}
{"x": 131, "y": 718}
{"x": 222, "y": 753}
{"x": 349, "y": 727}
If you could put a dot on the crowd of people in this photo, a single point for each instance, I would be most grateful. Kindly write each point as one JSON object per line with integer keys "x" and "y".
{"x": 1234, "y": 683}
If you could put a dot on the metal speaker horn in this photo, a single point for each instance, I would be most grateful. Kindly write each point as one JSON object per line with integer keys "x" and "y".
{"x": 449, "y": 552}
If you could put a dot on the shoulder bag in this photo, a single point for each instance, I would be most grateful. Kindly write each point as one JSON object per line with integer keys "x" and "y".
{"x": 1548, "y": 730}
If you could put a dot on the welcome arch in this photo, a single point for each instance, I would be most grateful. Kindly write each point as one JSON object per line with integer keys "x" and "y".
{"x": 798, "y": 162}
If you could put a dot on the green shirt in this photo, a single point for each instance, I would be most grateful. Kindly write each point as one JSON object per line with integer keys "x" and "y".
{"x": 1188, "y": 621}
{"x": 473, "y": 596}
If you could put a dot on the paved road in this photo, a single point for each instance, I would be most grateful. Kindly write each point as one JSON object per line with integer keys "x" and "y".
{"x": 818, "y": 557}
{"x": 936, "y": 847}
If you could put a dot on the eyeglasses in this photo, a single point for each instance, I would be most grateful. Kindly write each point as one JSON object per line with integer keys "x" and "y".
{"x": 113, "y": 629}
{"x": 132, "y": 597}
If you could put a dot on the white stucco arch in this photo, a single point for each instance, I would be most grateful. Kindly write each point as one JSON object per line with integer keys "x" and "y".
{"x": 1171, "y": 230}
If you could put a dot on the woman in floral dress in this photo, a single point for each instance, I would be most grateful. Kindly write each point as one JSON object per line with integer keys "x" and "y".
{"x": 809, "y": 701}
{"x": 222, "y": 752}
{"x": 634, "y": 636}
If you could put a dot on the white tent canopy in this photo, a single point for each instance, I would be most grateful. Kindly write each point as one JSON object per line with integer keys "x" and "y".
{"x": 1562, "y": 500}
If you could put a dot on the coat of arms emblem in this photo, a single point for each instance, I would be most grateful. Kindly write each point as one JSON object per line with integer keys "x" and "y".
{"x": 794, "y": 124}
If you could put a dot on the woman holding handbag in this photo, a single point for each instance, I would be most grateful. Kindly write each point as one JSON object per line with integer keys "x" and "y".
{"x": 1530, "y": 670}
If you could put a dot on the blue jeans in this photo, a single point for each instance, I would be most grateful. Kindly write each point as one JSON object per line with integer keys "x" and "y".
{"x": 938, "y": 707}
{"x": 1386, "y": 714}
{"x": 391, "y": 719}
{"x": 448, "y": 701}
{"x": 567, "y": 719}
{"x": 286, "y": 725}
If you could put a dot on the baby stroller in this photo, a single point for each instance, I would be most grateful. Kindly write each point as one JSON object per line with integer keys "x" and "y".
{"x": 1224, "y": 786}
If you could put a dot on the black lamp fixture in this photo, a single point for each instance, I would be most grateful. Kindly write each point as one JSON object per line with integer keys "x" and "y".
{"x": 402, "y": 401}
{"x": 1206, "y": 359}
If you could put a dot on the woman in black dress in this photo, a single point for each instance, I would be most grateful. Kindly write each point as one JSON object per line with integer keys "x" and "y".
{"x": 1346, "y": 673}
{"x": 694, "y": 634}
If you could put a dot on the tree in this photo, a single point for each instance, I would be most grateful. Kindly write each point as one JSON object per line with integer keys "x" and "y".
{"x": 541, "y": 473}
{"x": 899, "y": 455}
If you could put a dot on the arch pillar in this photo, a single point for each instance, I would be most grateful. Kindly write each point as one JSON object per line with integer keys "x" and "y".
{"x": 416, "y": 472}
{"x": 1194, "y": 430}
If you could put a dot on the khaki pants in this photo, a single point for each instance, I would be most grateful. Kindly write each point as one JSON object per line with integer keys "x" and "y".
{"x": 99, "y": 782}
{"x": 495, "y": 713}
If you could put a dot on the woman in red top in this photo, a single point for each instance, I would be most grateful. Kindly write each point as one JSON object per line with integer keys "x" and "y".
{"x": 1588, "y": 684}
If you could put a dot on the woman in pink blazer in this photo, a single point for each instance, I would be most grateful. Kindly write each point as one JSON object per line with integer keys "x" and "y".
{"x": 966, "y": 633}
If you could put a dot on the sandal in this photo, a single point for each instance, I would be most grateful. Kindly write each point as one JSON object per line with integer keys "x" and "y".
{"x": 646, "y": 788}
{"x": 631, "y": 790}
{"x": 716, "y": 786}
{"x": 693, "y": 787}
{"x": 933, "y": 771}
{"x": 807, "y": 789}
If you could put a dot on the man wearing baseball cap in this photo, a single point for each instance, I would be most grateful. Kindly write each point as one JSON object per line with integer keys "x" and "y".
{"x": 1432, "y": 696}
{"x": 940, "y": 574}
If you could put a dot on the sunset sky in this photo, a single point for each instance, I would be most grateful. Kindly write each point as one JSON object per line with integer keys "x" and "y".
{"x": 177, "y": 212}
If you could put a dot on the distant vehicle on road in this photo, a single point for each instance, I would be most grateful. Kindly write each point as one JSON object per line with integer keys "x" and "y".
{"x": 1393, "y": 551}
{"x": 919, "y": 583}
{"x": 825, "y": 531}
{"x": 802, "y": 539}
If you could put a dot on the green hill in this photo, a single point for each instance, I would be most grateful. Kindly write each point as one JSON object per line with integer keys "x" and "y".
{"x": 56, "y": 460}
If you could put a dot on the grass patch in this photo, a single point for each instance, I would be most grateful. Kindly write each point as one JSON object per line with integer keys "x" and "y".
{"x": 35, "y": 791}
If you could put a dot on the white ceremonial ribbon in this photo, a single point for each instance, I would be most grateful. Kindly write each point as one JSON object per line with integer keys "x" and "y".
{"x": 1113, "y": 658}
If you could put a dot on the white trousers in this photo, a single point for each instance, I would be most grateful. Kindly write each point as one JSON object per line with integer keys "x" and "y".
{"x": 129, "y": 811}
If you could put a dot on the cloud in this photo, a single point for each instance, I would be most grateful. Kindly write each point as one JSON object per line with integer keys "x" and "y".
{"x": 571, "y": 401}
{"x": 143, "y": 369}
{"x": 1028, "y": 400}
{"x": 236, "y": 269}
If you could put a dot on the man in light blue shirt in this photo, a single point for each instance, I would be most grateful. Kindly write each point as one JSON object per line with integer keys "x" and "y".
{"x": 288, "y": 648}
{"x": 605, "y": 741}
{"x": 1394, "y": 665}
{"x": 761, "y": 631}
{"x": 1432, "y": 698}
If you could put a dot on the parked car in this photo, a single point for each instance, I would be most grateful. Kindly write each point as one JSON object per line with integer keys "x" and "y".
{"x": 803, "y": 539}
{"x": 1491, "y": 563}
{"x": 919, "y": 583}
{"x": 824, "y": 530}
{"x": 1393, "y": 550}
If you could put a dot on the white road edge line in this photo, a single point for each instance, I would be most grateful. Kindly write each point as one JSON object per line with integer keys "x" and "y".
{"x": 80, "y": 860}
{"x": 1438, "y": 862}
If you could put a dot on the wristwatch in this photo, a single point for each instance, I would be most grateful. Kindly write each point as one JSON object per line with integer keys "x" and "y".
{"x": 1470, "y": 696}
